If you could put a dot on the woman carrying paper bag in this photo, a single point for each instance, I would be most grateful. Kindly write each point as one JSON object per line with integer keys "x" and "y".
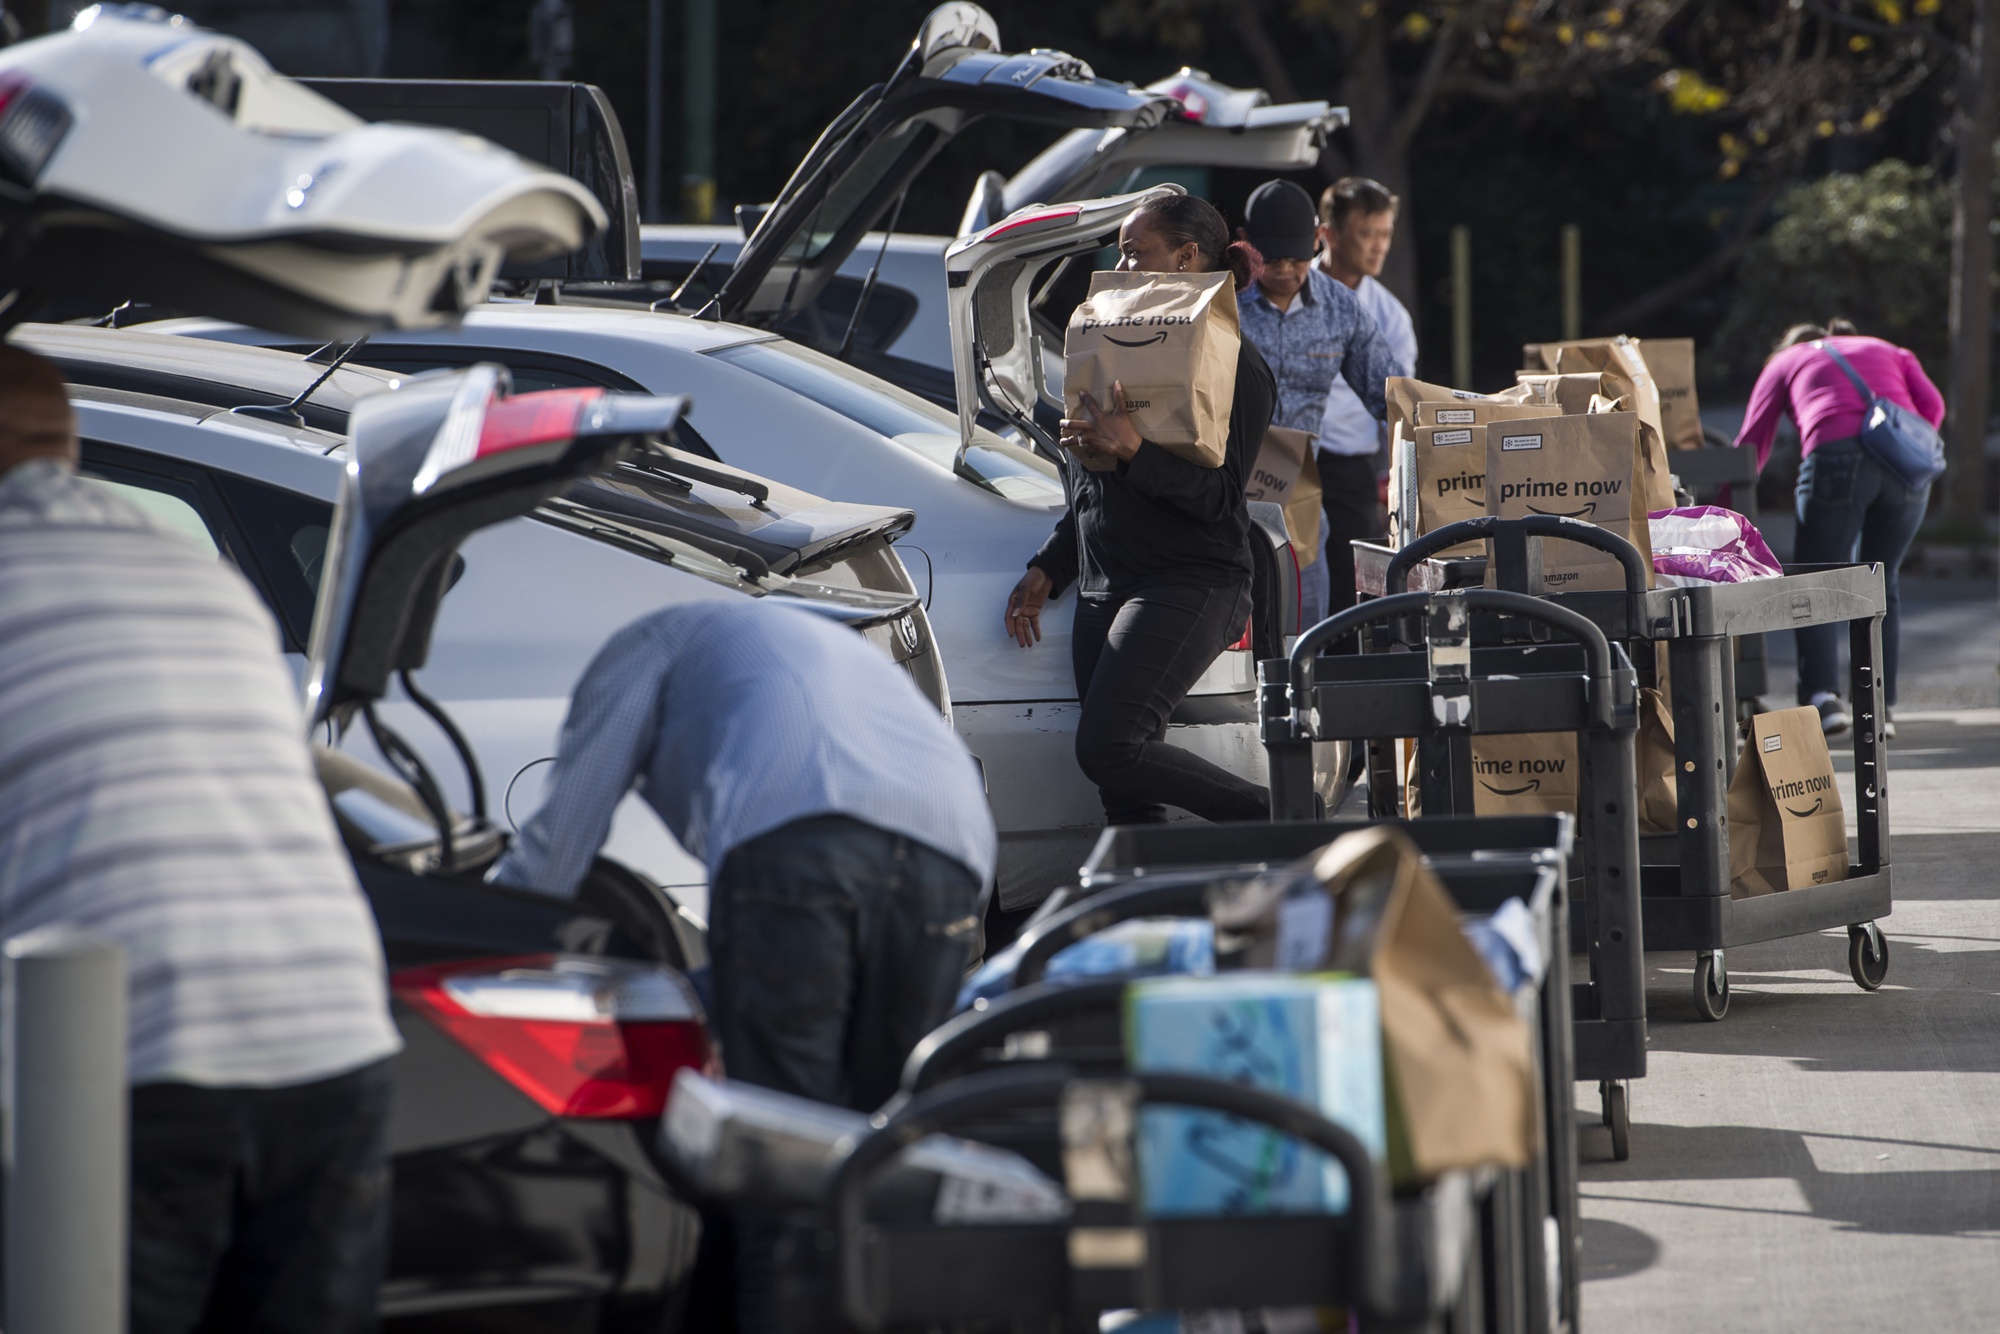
{"x": 1158, "y": 547}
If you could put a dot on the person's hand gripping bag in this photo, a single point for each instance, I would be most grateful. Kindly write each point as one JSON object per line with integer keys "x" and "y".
{"x": 1459, "y": 1063}
{"x": 1170, "y": 340}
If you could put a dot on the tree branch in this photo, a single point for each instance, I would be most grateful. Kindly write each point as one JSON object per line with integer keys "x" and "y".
{"x": 1256, "y": 39}
{"x": 1937, "y": 41}
{"x": 1411, "y": 118}
{"x": 1701, "y": 275}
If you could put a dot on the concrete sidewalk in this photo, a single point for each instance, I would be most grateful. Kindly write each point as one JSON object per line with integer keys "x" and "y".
{"x": 1823, "y": 1158}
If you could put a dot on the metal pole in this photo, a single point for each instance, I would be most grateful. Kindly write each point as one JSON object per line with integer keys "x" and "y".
{"x": 656, "y": 102}
{"x": 1572, "y": 280}
{"x": 698, "y": 128}
{"x": 66, "y": 1140}
{"x": 1461, "y": 307}
{"x": 1971, "y": 301}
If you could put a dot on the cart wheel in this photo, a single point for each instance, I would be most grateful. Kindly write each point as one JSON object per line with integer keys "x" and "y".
{"x": 1711, "y": 985}
{"x": 1617, "y": 1115}
{"x": 1867, "y": 955}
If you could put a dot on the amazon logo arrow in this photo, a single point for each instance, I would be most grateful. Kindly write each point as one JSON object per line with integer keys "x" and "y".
{"x": 1591, "y": 508}
{"x": 1811, "y": 810}
{"x": 1159, "y": 337}
{"x": 1532, "y": 785}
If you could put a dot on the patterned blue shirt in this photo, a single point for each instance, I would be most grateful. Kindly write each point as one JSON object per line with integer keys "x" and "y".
{"x": 737, "y": 717}
{"x": 1325, "y": 332}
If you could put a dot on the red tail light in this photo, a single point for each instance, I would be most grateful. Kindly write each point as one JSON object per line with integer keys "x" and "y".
{"x": 539, "y": 418}
{"x": 580, "y": 1036}
{"x": 1244, "y": 642}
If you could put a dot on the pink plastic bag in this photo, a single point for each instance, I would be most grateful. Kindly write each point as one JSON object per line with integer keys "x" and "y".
{"x": 1706, "y": 544}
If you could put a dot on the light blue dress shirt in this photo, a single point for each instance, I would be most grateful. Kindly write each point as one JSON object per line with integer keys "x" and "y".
{"x": 737, "y": 717}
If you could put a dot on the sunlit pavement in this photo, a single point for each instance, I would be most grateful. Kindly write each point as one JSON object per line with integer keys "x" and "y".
{"x": 1825, "y": 1159}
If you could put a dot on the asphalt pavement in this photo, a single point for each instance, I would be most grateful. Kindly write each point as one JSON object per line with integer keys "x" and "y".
{"x": 1825, "y": 1159}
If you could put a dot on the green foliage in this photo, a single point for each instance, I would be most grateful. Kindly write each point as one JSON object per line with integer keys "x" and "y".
{"x": 1873, "y": 247}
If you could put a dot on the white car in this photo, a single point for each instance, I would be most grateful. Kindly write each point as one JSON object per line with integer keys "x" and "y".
{"x": 536, "y": 597}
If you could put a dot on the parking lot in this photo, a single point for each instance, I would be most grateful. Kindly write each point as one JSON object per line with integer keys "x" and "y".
{"x": 1826, "y": 1159}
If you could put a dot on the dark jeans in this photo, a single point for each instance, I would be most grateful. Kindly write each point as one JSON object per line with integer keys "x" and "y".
{"x": 1848, "y": 500}
{"x": 836, "y": 947}
{"x": 1135, "y": 659}
{"x": 260, "y": 1209}
{"x": 1349, "y": 496}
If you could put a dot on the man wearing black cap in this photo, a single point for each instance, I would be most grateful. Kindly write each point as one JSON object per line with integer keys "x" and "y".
{"x": 1311, "y": 328}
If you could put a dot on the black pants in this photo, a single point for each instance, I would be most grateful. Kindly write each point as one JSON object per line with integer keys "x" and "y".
{"x": 1349, "y": 496}
{"x": 260, "y": 1209}
{"x": 1135, "y": 660}
{"x": 837, "y": 946}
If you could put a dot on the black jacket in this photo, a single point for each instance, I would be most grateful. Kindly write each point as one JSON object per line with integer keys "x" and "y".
{"x": 1159, "y": 519}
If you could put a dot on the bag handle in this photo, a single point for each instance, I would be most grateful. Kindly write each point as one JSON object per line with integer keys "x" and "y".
{"x": 1868, "y": 396}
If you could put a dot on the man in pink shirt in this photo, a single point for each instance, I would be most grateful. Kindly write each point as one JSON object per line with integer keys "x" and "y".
{"x": 1849, "y": 506}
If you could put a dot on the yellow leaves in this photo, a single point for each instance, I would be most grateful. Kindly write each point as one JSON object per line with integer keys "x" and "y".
{"x": 1596, "y": 41}
{"x": 1732, "y": 147}
{"x": 1729, "y": 169}
{"x": 1416, "y": 26}
{"x": 1871, "y": 118}
{"x": 1825, "y": 129}
{"x": 1760, "y": 136}
{"x": 1889, "y": 11}
{"x": 1615, "y": 17}
{"x": 1925, "y": 8}
{"x": 1857, "y": 43}
{"x": 1688, "y": 94}
{"x": 1565, "y": 33}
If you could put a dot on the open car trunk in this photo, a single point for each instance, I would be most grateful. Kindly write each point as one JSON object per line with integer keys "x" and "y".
{"x": 953, "y": 74}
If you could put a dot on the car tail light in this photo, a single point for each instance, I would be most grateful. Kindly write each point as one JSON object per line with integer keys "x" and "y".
{"x": 580, "y": 1036}
{"x": 1008, "y": 225}
{"x": 1249, "y": 629}
{"x": 33, "y": 122}
{"x": 540, "y": 418}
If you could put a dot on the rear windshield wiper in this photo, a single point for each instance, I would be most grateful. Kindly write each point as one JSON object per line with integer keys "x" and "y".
{"x": 676, "y": 466}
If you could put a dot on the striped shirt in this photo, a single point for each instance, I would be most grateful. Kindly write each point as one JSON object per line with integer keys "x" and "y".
{"x": 158, "y": 793}
{"x": 736, "y": 717}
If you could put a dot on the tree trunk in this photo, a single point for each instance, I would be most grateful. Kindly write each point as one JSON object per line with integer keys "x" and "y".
{"x": 1370, "y": 95}
{"x": 1972, "y": 269}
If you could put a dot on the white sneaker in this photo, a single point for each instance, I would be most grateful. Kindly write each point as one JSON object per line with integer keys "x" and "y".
{"x": 1834, "y": 719}
{"x": 1888, "y": 724}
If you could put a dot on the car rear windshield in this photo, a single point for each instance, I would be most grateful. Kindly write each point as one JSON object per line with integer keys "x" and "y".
{"x": 917, "y": 424}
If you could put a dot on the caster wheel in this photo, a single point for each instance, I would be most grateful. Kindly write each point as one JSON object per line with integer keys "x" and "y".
{"x": 1867, "y": 955}
{"x": 1616, "y": 1111}
{"x": 1711, "y": 986}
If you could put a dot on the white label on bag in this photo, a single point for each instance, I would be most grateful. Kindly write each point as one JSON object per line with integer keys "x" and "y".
{"x": 1451, "y": 438}
{"x": 1520, "y": 442}
{"x": 1772, "y": 743}
{"x": 1304, "y": 922}
{"x": 1456, "y": 416}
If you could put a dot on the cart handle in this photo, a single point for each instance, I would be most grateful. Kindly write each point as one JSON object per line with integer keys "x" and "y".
{"x": 1577, "y": 626}
{"x": 1490, "y": 527}
{"x": 1156, "y": 896}
{"x": 981, "y": 1095}
{"x": 1031, "y": 1007}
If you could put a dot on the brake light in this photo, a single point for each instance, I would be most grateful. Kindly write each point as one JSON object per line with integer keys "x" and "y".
{"x": 1007, "y": 225}
{"x": 33, "y": 122}
{"x": 580, "y": 1036}
{"x": 540, "y": 418}
{"x": 1243, "y": 643}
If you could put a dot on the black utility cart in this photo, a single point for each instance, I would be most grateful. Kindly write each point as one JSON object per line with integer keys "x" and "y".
{"x": 1442, "y": 693}
{"x": 1686, "y": 899}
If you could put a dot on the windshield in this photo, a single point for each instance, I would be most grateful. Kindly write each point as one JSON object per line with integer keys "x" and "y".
{"x": 917, "y": 424}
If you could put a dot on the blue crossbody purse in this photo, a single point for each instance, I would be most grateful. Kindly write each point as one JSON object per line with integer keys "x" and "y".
{"x": 1898, "y": 439}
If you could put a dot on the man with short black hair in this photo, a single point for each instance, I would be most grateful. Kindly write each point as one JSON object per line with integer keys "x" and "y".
{"x": 1357, "y": 223}
{"x": 1316, "y": 336}
{"x": 160, "y": 796}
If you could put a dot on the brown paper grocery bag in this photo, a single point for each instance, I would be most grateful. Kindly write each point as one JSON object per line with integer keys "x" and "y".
{"x": 1287, "y": 473}
{"x": 1171, "y": 340}
{"x": 1578, "y": 467}
{"x": 1671, "y": 364}
{"x": 1459, "y": 1060}
{"x": 1526, "y": 773}
{"x": 1478, "y": 412}
{"x": 1451, "y": 480}
{"x": 1658, "y": 772}
{"x": 1566, "y": 393}
{"x": 1787, "y": 828}
{"x": 1404, "y": 393}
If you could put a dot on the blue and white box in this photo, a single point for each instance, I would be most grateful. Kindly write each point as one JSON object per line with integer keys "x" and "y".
{"x": 1314, "y": 1039}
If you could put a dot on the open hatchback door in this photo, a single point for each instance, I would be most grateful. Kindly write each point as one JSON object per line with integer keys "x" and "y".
{"x": 146, "y": 159}
{"x": 1212, "y": 125}
{"x": 954, "y": 73}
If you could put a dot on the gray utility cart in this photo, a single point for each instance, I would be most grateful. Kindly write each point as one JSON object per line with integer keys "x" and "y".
{"x": 1686, "y": 899}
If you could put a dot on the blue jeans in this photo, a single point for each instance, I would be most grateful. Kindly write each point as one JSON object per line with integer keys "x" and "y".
{"x": 1847, "y": 502}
